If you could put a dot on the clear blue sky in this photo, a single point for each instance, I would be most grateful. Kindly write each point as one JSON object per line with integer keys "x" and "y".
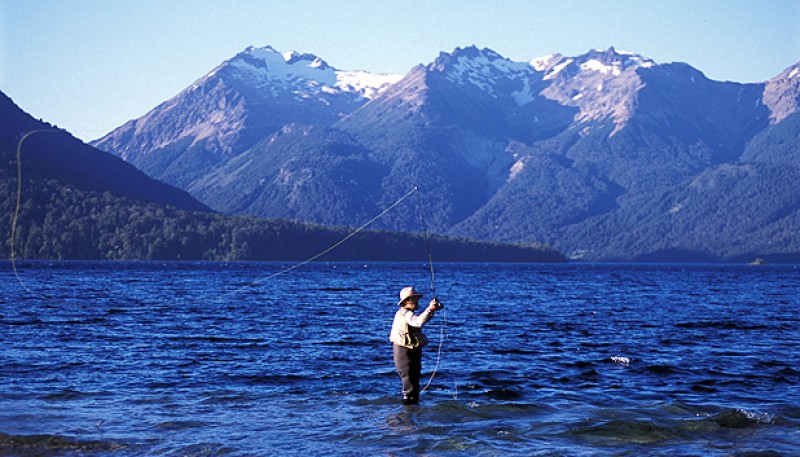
{"x": 91, "y": 65}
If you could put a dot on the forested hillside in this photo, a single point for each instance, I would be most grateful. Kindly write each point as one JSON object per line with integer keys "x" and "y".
{"x": 65, "y": 222}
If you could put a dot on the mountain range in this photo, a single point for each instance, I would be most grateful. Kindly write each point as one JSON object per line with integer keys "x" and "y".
{"x": 68, "y": 200}
{"x": 606, "y": 155}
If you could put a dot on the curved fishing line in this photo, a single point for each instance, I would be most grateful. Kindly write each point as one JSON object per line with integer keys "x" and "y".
{"x": 18, "y": 205}
{"x": 442, "y": 331}
{"x": 15, "y": 218}
{"x": 323, "y": 252}
{"x": 443, "y": 326}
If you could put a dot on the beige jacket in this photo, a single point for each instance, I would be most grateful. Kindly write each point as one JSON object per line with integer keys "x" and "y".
{"x": 407, "y": 328}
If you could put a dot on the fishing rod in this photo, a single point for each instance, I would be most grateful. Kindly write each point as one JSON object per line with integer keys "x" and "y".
{"x": 443, "y": 326}
{"x": 427, "y": 243}
{"x": 351, "y": 234}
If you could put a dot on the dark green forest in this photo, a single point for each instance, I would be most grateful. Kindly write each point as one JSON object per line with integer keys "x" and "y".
{"x": 64, "y": 222}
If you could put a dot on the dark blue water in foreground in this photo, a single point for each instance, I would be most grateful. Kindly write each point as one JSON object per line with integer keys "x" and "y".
{"x": 182, "y": 359}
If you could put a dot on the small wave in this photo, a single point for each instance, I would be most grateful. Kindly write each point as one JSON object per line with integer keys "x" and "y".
{"x": 514, "y": 351}
{"x": 589, "y": 375}
{"x": 180, "y": 425}
{"x": 721, "y": 325}
{"x": 209, "y": 339}
{"x": 661, "y": 368}
{"x": 204, "y": 449}
{"x": 72, "y": 394}
{"x": 288, "y": 379}
{"x": 90, "y": 321}
{"x": 503, "y": 393}
{"x": 53, "y": 445}
{"x": 741, "y": 418}
{"x": 629, "y": 431}
{"x": 342, "y": 343}
{"x": 21, "y": 323}
{"x": 770, "y": 363}
{"x": 706, "y": 385}
{"x": 676, "y": 342}
{"x": 580, "y": 364}
{"x": 217, "y": 399}
{"x": 450, "y": 411}
{"x": 340, "y": 289}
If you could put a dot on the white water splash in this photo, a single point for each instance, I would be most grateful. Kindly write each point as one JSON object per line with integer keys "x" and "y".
{"x": 624, "y": 361}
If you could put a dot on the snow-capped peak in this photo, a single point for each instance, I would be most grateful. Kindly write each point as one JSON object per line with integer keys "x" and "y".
{"x": 464, "y": 60}
{"x": 613, "y": 62}
{"x": 268, "y": 63}
{"x": 602, "y": 84}
{"x": 484, "y": 69}
{"x": 303, "y": 74}
{"x": 608, "y": 62}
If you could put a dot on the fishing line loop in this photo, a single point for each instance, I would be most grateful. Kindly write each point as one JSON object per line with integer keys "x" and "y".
{"x": 415, "y": 189}
{"x": 15, "y": 218}
{"x": 18, "y": 205}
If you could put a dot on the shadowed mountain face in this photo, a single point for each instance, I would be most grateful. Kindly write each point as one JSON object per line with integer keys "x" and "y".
{"x": 80, "y": 203}
{"x": 580, "y": 152}
{"x": 51, "y": 153}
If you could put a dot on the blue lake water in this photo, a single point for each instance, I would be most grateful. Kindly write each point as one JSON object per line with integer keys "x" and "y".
{"x": 145, "y": 358}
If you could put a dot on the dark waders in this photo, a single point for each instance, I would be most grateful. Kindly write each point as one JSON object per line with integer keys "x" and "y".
{"x": 409, "y": 366}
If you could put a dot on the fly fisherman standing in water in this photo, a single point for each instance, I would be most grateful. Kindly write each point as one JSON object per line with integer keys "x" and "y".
{"x": 408, "y": 341}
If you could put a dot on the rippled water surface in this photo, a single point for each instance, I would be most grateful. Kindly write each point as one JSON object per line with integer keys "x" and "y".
{"x": 214, "y": 359}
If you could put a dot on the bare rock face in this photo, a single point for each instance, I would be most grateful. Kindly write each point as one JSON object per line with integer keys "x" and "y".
{"x": 782, "y": 94}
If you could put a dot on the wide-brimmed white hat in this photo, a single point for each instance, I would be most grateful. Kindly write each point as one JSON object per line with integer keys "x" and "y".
{"x": 408, "y": 292}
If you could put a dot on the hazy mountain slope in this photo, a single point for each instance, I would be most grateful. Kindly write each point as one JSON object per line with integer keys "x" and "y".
{"x": 80, "y": 203}
{"x": 233, "y": 107}
{"x": 62, "y": 157}
{"x": 731, "y": 211}
{"x": 574, "y": 151}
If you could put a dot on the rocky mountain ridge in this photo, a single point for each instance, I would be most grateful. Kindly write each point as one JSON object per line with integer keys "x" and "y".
{"x": 549, "y": 150}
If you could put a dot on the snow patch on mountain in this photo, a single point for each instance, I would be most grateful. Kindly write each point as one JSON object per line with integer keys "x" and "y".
{"x": 602, "y": 84}
{"x": 488, "y": 71}
{"x": 277, "y": 67}
{"x": 488, "y": 63}
{"x": 368, "y": 85}
{"x": 551, "y": 65}
{"x": 541, "y": 63}
{"x": 304, "y": 74}
{"x": 525, "y": 95}
{"x": 596, "y": 65}
{"x": 616, "y": 62}
{"x": 557, "y": 68}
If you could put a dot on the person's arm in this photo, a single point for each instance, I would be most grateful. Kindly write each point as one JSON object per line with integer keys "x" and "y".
{"x": 421, "y": 319}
